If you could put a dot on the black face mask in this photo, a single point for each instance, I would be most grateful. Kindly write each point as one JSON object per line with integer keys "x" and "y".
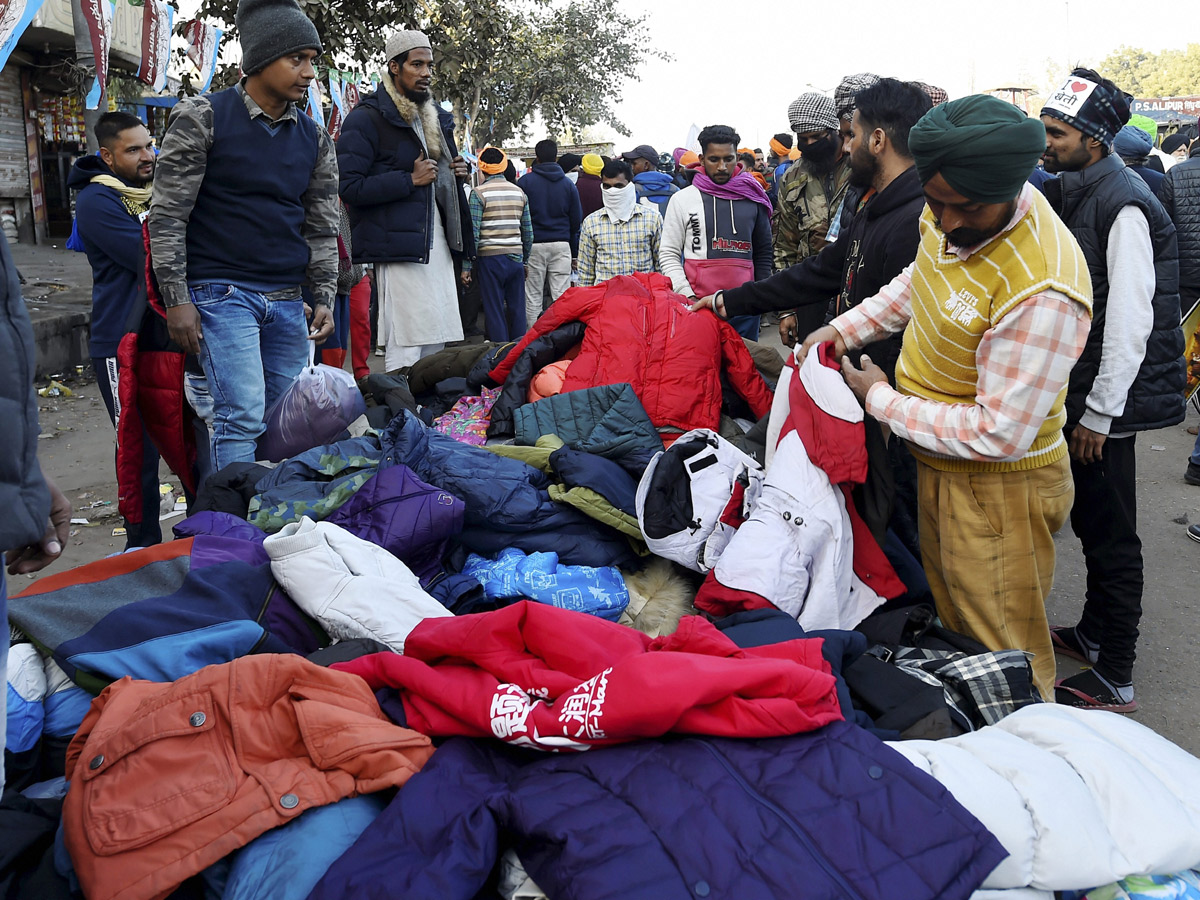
{"x": 821, "y": 153}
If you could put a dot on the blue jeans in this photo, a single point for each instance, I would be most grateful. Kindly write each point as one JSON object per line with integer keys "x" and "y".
{"x": 252, "y": 349}
{"x": 746, "y": 326}
{"x": 502, "y": 285}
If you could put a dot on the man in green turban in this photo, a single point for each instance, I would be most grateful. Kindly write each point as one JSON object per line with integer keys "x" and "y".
{"x": 995, "y": 311}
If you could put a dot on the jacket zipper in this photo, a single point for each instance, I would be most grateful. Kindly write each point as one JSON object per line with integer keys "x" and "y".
{"x": 262, "y": 612}
{"x": 787, "y": 820}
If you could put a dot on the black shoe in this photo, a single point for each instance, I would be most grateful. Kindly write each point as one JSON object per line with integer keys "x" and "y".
{"x": 1192, "y": 475}
{"x": 1194, "y": 533}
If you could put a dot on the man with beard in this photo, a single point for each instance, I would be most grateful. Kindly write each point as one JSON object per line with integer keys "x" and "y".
{"x": 401, "y": 178}
{"x": 114, "y": 195}
{"x": 244, "y": 212}
{"x": 1130, "y": 377}
{"x": 809, "y": 196}
{"x": 879, "y": 240}
{"x": 717, "y": 231}
{"x": 995, "y": 311}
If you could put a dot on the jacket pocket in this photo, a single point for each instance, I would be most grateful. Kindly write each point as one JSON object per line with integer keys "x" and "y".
{"x": 167, "y": 768}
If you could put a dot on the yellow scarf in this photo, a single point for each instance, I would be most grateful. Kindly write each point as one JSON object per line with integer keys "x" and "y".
{"x": 136, "y": 199}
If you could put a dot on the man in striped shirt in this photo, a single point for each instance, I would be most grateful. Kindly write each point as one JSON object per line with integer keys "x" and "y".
{"x": 503, "y": 241}
{"x": 623, "y": 236}
{"x": 995, "y": 311}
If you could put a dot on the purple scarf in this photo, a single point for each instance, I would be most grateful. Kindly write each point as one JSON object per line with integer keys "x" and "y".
{"x": 740, "y": 187}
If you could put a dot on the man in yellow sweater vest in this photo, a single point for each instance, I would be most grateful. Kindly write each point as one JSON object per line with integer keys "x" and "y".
{"x": 995, "y": 311}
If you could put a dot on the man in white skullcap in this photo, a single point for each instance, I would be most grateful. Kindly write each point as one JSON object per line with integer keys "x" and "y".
{"x": 401, "y": 179}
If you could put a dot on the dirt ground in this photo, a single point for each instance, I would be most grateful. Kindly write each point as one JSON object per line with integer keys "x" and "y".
{"x": 77, "y": 450}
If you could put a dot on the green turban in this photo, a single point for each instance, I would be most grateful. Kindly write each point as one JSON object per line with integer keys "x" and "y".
{"x": 983, "y": 147}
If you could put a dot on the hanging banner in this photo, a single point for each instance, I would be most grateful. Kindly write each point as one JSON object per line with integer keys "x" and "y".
{"x": 338, "y": 113}
{"x": 204, "y": 43}
{"x": 157, "y": 18}
{"x": 351, "y": 95}
{"x": 99, "y": 15}
{"x": 314, "y": 102}
{"x": 15, "y": 16}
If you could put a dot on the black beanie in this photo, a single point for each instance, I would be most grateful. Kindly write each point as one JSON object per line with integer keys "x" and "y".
{"x": 271, "y": 29}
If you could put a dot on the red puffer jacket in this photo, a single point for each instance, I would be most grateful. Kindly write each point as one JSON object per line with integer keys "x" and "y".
{"x": 639, "y": 331}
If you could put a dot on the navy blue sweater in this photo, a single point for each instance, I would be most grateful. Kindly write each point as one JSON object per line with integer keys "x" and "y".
{"x": 553, "y": 205}
{"x": 112, "y": 239}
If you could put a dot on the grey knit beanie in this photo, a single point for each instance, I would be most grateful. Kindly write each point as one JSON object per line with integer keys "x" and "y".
{"x": 404, "y": 40}
{"x": 271, "y": 29}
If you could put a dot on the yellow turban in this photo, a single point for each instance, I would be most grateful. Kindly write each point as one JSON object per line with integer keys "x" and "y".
{"x": 592, "y": 163}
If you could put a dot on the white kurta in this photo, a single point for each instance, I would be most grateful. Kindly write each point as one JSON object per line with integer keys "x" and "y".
{"x": 418, "y": 308}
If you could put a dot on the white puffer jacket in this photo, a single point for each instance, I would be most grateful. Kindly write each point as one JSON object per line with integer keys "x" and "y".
{"x": 1079, "y": 798}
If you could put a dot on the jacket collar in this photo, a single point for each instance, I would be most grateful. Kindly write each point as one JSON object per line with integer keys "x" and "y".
{"x": 1075, "y": 186}
{"x": 904, "y": 188}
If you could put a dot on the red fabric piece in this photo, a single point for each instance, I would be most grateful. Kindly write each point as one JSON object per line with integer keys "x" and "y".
{"x": 555, "y": 679}
{"x": 641, "y": 332}
{"x": 360, "y": 328}
{"x": 719, "y": 600}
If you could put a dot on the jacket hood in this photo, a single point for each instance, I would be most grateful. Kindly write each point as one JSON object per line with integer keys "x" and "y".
{"x": 550, "y": 170}
{"x": 656, "y": 180}
{"x": 85, "y": 169}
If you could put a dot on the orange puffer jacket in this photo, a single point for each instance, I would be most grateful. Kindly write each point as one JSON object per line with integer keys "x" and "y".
{"x": 166, "y": 779}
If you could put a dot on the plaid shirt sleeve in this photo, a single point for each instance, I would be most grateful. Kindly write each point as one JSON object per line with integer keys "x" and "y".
{"x": 587, "y": 253}
{"x": 475, "y": 205}
{"x": 1023, "y": 364}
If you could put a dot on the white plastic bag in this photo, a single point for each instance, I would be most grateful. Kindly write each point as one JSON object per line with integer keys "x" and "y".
{"x": 315, "y": 409}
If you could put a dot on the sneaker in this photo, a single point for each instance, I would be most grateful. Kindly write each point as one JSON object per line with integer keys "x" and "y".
{"x": 1087, "y": 690}
{"x": 379, "y": 351}
{"x": 1192, "y": 475}
{"x": 1194, "y": 533}
{"x": 1066, "y": 642}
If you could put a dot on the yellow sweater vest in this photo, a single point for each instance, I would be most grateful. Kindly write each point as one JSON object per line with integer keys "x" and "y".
{"x": 955, "y": 301}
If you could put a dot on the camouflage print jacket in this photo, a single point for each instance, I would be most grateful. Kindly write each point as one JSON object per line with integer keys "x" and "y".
{"x": 805, "y": 210}
{"x": 180, "y": 172}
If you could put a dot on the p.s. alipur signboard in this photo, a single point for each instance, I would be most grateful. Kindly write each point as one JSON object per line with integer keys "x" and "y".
{"x": 1166, "y": 108}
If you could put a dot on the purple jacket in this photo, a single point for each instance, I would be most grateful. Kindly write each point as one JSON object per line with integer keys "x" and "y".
{"x": 829, "y": 815}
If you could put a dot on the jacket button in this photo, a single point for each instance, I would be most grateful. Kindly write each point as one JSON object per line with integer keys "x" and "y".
{"x": 196, "y": 719}
{"x": 97, "y": 762}
{"x": 289, "y": 801}
{"x": 787, "y": 517}
{"x": 875, "y": 772}
{"x": 701, "y": 888}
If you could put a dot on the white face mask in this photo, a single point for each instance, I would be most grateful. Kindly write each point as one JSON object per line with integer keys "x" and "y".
{"x": 572, "y": 177}
{"x": 619, "y": 202}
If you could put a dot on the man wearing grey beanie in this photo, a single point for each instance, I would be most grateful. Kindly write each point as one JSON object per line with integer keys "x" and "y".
{"x": 244, "y": 215}
{"x": 401, "y": 180}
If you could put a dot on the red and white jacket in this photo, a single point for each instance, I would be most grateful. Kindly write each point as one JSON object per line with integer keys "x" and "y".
{"x": 804, "y": 547}
{"x": 556, "y": 679}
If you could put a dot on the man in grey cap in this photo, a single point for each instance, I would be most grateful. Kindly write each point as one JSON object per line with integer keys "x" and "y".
{"x": 654, "y": 188}
{"x": 809, "y": 197}
{"x": 401, "y": 178}
{"x": 244, "y": 214}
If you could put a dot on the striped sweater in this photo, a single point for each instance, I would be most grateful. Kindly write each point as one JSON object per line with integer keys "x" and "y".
{"x": 500, "y": 215}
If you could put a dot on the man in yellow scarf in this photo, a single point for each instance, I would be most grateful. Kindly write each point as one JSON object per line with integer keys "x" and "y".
{"x": 114, "y": 194}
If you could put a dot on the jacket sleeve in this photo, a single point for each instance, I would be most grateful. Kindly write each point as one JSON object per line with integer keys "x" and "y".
{"x": 357, "y": 149}
{"x": 577, "y": 303}
{"x": 104, "y": 223}
{"x": 811, "y": 281}
{"x": 743, "y": 376}
{"x": 670, "y": 252}
{"x": 575, "y": 215}
{"x": 1166, "y": 196}
{"x": 763, "y": 253}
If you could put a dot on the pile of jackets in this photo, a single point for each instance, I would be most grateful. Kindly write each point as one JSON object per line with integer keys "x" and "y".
{"x": 599, "y": 656}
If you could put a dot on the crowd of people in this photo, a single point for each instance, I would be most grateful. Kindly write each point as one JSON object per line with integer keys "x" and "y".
{"x": 1003, "y": 293}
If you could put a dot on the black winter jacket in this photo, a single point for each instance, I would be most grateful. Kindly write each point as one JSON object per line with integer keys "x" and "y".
{"x": 1088, "y": 201}
{"x": 873, "y": 247}
{"x": 390, "y": 219}
{"x": 1180, "y": 195}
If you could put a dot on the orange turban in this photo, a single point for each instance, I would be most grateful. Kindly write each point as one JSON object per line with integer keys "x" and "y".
{"x": 493, "y": 168}
{"x": 778, "y": 149}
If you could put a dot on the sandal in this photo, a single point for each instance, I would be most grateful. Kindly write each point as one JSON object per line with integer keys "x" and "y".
{"x": 1087, "y": 691}
{"x": 1066, "y": 643}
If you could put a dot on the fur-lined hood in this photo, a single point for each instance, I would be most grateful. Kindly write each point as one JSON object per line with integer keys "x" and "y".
{"x": 429, "y": 112}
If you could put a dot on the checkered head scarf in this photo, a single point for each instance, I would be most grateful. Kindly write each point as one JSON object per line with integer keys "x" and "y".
{"x": 1096, "y": 109}
{"x": 936, "y": 94}
{"x": 812, "y": 112}
{"x": 848, "y": 87}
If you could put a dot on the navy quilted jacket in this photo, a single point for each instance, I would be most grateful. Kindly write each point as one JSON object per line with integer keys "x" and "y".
{"x": 829, "y": 815}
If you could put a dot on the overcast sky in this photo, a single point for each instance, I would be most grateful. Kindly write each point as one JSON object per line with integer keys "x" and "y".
{"x": 742, "y": 64}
